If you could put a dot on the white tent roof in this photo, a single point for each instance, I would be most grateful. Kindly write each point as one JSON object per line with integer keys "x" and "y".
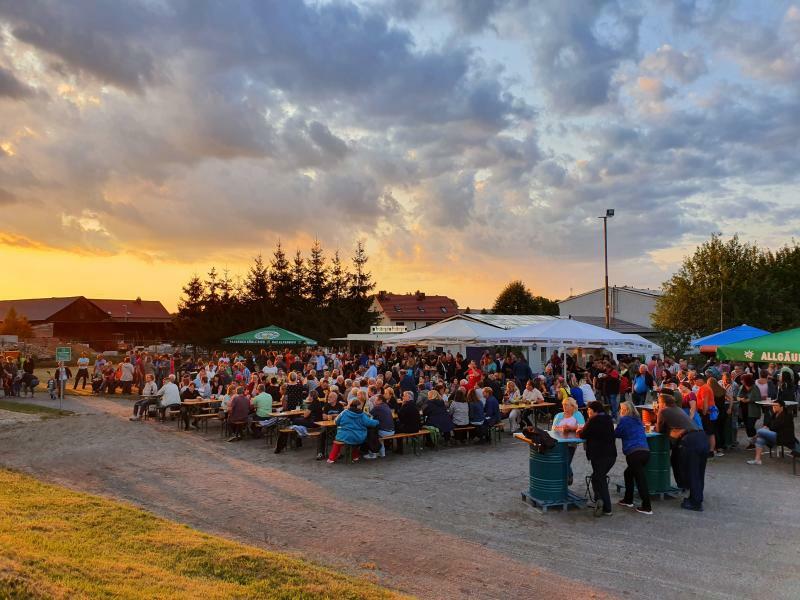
{"x": 643, "y": 344}
{"x": 565, "y": 332}
{"x": 450, "y": 331}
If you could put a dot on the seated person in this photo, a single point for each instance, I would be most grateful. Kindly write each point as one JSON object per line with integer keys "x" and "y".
{"x": 408, "y": 417}
{"x": 190, "y": 393}
{"x": 477, "y": 417}
{"x": 383, "y": 415}
{"x": 779, "y": 432}
{"x": 459, "y": 410}
{"x": 170, "y": 396}
{"x": 491, "y": 407}
{"x": 333, "y": 406}
{"x": 149, "y": 391}
{"x": 238, "y": 413}
{"x": 351, "y": 430}
{"x": 436, "y": 414}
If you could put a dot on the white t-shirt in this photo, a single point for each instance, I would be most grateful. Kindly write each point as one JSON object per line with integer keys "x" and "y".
{"x": 588, "y": 393}
{"x": 533, "y": 395}
{"x": 273, "y": 370}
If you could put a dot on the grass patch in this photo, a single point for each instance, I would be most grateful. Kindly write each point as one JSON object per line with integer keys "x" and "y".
{"x": 32, "y": 409}
{"x": 56, "y": 543}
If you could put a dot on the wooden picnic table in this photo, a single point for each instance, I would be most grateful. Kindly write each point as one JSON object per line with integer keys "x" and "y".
{"x": 192, "y": 406}
{"x": 298, "y": 412}
{"x": 525, "y": 405}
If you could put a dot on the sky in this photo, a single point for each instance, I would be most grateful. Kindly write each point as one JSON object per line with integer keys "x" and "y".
{"x": 469, "y": 143}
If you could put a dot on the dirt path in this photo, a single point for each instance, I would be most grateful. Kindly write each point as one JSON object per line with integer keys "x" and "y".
{"x": 243, "y": 491}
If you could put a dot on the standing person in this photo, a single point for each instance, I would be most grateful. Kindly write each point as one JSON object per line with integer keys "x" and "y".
{"x": 126, "y": 375}
{"x": 779, "y": 432}
{"x": 568, "y": 422}
{"x": 642, "y": 384}
{"x": 637, "y": 455}
{"x": 692, "y": 446}
{"x": 707, "y": 409}
{"x": 61, "y": 376}
{"x": 611, "y": 382}
{"x": 83, "y": 371}
{"x": 748, "y": 396}
{"x": 601, "y": 451}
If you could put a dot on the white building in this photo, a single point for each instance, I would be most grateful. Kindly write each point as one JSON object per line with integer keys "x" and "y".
{"x": 629, "y": 304}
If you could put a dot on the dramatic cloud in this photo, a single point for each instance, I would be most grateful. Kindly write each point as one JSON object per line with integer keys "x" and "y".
{"x": 455, "y": 137}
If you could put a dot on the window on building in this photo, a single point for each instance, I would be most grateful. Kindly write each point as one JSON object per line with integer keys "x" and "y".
{"x": 400, "y": 324}
{"x": 443, "y": 309}
{"x": 397, "y": 308}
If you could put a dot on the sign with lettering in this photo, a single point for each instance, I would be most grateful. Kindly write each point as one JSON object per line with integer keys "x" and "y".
{"x": 64, "y": 353}
{"x": 387, "y": 329}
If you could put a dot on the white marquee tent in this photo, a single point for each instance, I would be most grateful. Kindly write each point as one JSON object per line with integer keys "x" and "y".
{"x": 566, "y": 333}
{"x": 455, "y": 330}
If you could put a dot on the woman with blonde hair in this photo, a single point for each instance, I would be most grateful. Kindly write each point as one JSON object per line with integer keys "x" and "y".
{"x": 567, "y": 423}
{"x": 637, "y": 454}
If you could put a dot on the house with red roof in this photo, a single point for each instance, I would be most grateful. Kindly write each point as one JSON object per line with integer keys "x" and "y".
{"x": 412, "y": 311}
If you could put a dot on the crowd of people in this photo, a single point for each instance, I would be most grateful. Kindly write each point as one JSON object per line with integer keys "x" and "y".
{"x": 376, "y": 394}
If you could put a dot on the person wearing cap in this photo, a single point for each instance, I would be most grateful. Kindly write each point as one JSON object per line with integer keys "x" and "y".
{"x": 689, "y": 449}
{"x": 601, "y": 451}
{"x": 779, "y": 432}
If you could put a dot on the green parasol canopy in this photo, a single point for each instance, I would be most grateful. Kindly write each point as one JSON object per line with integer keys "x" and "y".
{"x": 271, "y": 335}
{"x": 783, "y": 347}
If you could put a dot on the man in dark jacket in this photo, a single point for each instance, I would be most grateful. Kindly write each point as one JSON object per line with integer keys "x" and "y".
{"x": 779, "y": 432}
{"x": 522, "y": 372}
{"x": 601, "y": 450}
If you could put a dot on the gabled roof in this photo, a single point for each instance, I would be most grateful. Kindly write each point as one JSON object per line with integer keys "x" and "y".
{"x": 36, "y": 309}
{"x": 617, "y": 325}
{"x": 416, "y": 307}
{"x": 137, "y": 310}
{"x": 625, "y": 288}
{"x": 43, "y": 309}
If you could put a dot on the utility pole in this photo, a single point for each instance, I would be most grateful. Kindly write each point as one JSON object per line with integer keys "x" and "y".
{"x": 608, "y": 215}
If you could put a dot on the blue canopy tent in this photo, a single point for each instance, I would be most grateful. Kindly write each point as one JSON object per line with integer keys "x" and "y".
{"x": 741, "y": 333}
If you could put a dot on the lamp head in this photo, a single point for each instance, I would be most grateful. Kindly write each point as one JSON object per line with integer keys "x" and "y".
{"x": 609, "y": 212}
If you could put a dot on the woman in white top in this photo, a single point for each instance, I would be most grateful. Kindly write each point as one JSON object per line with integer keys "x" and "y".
{"x": 512, "y": 396}
{"x": 586, "y": 388}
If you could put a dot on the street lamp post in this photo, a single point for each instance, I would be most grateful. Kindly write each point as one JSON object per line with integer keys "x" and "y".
{"x": 608, "y": 215}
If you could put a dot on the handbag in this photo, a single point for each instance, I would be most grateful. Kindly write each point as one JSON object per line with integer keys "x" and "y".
{"x": 540, "y": 438}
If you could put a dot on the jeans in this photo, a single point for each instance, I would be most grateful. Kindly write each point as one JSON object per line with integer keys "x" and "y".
{"x": 766, "y": 437}
{"x": 82, "y": 374}
{"x": 600, "y": 469}
{"x": 694, "y": 454}
{"x": 635, "y": 473}
{"x": 140, "y": 407}
{"x": 613, "y": 400}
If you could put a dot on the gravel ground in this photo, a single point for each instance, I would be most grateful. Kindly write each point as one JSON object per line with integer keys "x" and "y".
{"x": 442, "y": 525}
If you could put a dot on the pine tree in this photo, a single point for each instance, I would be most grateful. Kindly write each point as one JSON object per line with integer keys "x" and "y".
{"x": 256, "y": 284}
{"x": 318, "y": 283}
{"x": 339, "y": 280}
{"x": 280, "y": 282}
{"x": 212, "y": 288}
{"x": 298, "y": 278}
{"x": 361, "y": 281}
{"x": 189, "y": 321}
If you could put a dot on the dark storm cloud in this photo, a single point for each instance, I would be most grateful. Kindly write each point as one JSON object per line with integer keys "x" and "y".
{"x": 11, "y": 87}
{"x": 111, "y": 39}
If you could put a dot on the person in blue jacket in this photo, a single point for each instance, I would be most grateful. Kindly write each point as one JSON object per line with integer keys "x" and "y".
{"x": 476, "y": 416}
{"x": 351, "y": 430}
{"x": 637, "y": 455}
{"x": 491, "y": 407}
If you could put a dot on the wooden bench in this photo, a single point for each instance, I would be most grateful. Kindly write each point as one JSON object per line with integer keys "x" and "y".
{"x": 415, "y": 439}
{"x": 204, "y": 418}
{"x": 465, "y": 428}
{"x": 294, "y": 436}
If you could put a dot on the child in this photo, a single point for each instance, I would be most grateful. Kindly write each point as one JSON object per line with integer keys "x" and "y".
{"x": 51, "y": 385}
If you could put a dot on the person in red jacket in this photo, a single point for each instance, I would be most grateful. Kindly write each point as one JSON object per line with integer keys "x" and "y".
{"x": 474, "y": 376}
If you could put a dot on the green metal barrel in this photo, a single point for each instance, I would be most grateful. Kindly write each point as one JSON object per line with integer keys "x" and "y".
{"x": 548, "y": 474}
{"x": 658, "y": 469}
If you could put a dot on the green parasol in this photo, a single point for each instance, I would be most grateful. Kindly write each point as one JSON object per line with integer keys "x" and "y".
{"x": 782, "y": 347}
{"x": 271, "y": 335}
